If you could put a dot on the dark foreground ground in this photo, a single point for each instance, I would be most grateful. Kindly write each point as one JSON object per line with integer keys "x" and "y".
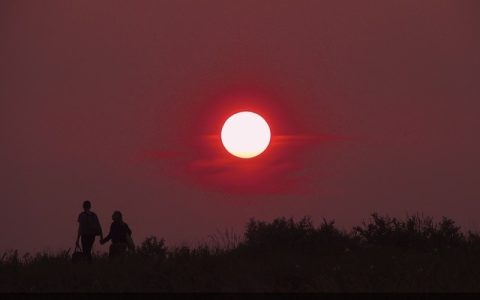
{"x": 383, "y": 255}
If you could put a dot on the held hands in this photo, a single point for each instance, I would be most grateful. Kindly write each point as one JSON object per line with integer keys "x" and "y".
{"x": 102, "y": 239}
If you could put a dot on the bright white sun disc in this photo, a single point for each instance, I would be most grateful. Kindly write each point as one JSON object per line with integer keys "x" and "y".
{"x": 245, "y": 134}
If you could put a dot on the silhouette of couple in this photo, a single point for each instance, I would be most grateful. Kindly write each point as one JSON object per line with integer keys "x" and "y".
{"x": 89, "y": 227}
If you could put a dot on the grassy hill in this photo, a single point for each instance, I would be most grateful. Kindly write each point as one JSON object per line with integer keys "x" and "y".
{"x": 384, "y": 254}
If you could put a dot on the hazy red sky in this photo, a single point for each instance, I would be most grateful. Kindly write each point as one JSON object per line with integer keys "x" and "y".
{"x": 374, "y": 106}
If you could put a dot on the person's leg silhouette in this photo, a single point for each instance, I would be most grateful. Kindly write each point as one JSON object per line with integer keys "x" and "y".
{"x": 87, "y": 244}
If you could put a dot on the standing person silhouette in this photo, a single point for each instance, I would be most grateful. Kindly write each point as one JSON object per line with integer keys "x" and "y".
{"x": 88, "y": 228}
{"x": 120, "y": 234}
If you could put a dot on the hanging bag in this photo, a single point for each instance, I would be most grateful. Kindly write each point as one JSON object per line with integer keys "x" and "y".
{"x": 78, "y": 255}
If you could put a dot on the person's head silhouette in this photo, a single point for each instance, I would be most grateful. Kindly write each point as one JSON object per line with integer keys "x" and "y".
{"x": 117, "y": 216}
{"x": 87, "y": 205}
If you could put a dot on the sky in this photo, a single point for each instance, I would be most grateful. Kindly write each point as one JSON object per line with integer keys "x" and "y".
{"x": 373, "y": 107}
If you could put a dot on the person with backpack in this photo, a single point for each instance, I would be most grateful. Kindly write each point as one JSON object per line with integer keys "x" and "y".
{"x": 121, "y": 236}
{"x": 88, "y": 228}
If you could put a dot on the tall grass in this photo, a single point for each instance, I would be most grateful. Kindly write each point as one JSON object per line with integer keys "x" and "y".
{"x": 284, "y": 255}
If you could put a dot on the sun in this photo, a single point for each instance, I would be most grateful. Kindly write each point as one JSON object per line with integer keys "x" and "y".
{"x": 245, "y": 134}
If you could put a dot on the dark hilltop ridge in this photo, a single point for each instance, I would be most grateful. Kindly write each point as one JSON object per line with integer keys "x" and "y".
{"x": 384, "y": 254}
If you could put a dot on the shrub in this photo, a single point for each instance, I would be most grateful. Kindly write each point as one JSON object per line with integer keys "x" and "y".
{"x": 414, "y": 231}
{"x": 300, "y": 236}
{"x": 152, "y": 248}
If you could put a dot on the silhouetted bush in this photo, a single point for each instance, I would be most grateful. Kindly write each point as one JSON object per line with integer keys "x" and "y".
{"x": 302, "y": 236}
{"x": 281, "y": 233}
{"x": 328, "y": 235}
{"x": 152, "y": 248}
{"x": 414, "y": 231}
{"x": 447, "y": 234}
